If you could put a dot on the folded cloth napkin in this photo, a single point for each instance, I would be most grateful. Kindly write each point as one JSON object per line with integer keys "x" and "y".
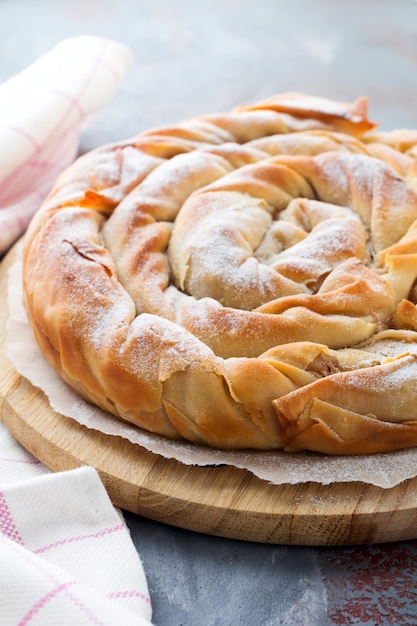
{"x": 42, "y": 111}
{"x": 66, "y": 556}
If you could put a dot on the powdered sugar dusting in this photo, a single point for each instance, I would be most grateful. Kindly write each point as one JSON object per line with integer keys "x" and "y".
{"x": 199, "y": 288}
{"x": 383, "y": 470}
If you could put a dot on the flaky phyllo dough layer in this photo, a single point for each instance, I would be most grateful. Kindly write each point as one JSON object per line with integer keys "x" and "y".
{"x": 241, "y": 280}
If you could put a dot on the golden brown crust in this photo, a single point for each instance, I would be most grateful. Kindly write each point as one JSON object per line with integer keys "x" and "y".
{"x": 229, "y": 280}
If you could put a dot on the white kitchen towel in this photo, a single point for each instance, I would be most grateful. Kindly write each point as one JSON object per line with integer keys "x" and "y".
{"x": 66, "y": 556}
{"x": 42, "y": 112}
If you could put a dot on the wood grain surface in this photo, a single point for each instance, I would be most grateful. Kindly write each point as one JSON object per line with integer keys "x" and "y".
{"x": 222, "y": 501}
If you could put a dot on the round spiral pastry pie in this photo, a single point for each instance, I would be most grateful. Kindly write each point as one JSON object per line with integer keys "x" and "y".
{"x": 241, "y": 280}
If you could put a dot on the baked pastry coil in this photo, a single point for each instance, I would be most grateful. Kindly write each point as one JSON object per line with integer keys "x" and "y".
{"x": 240, "y": 280}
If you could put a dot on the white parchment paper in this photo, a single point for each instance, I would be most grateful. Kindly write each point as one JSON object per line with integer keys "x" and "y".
{"x": 383, "y": 470}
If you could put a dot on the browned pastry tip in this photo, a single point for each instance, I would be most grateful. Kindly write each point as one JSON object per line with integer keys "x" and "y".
{"x": 346, "y": 117}
{"x": 334, "y": 415}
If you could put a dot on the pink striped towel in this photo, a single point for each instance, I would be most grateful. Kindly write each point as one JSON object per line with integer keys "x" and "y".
{"x": 42, "y": 111}
{"x": 66, "y": 556}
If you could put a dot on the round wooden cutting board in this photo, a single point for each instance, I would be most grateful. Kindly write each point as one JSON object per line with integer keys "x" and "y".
{"x": 223, "y": 501}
